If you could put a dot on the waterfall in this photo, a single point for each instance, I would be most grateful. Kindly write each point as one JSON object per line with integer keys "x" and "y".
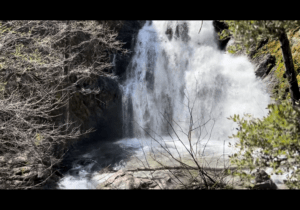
{"x": 175, "y": 69}
{"x": 175, "y": 73}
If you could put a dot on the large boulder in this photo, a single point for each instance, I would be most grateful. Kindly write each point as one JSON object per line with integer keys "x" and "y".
{"x": 266, "y": 185}
{"x": 263, "y": 181}
{"x": 159, "y": 179}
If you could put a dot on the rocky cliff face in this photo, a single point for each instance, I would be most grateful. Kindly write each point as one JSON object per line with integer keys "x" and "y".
{"x": 219, "y": 27}
{"x": 103, "y": 111}
{"x": 128, "y": 34}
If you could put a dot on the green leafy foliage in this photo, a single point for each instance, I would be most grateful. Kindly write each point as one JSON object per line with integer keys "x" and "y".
{"x": 234, "y": 49}
{"x": 249, "y": 32}
{"x": 270, "y": 142}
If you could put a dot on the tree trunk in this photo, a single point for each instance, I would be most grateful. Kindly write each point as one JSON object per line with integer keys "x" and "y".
{"x": 289, "y": 67}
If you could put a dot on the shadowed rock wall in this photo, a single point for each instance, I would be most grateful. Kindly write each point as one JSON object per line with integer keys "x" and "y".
{"x": 127, "y": 34}
{"x": 103, "y": 111}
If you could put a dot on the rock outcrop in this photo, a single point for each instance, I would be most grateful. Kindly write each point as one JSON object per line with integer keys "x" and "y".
{"x": 219, "y": 27}
{"x": 264, "y": 67}
{"x": 159, "y": 179}
{"x": 127, "y": 34}
{"x": 263, "y": 181}
{"x": 103, "y": 110}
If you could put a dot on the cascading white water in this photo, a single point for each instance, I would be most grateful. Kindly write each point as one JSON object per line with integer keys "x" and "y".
{"x": 174, "y": 69}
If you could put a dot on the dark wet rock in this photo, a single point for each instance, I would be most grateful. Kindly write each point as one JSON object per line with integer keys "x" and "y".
{"x": 261, "y": 176}
{"x": 267, "y": 185}
{"x": 127, "y": 34}
{"x": 262, "y": 43}
{"x": 263, "y": 181}
{"x": 219, "y": 27}
{"x": 264, "y": 67}
{"x": 182, "y": 31}
{"x": 169, "y": 33}
{"x": 102, "y": 111}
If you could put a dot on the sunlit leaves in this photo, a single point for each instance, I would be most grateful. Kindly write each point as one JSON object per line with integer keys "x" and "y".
{"x": 275, "y": 135}
{"x": 249, "y": 32}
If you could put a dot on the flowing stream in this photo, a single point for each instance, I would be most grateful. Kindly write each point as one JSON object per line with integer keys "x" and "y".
{"x": 177, "y": 80}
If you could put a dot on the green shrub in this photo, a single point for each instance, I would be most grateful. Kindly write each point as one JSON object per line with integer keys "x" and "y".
{"x": 270, "y": 142}
{"x": 234, "y": 49}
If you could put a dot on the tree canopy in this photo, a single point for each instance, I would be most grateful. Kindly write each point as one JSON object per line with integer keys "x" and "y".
{"x": 250, "y": 32}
